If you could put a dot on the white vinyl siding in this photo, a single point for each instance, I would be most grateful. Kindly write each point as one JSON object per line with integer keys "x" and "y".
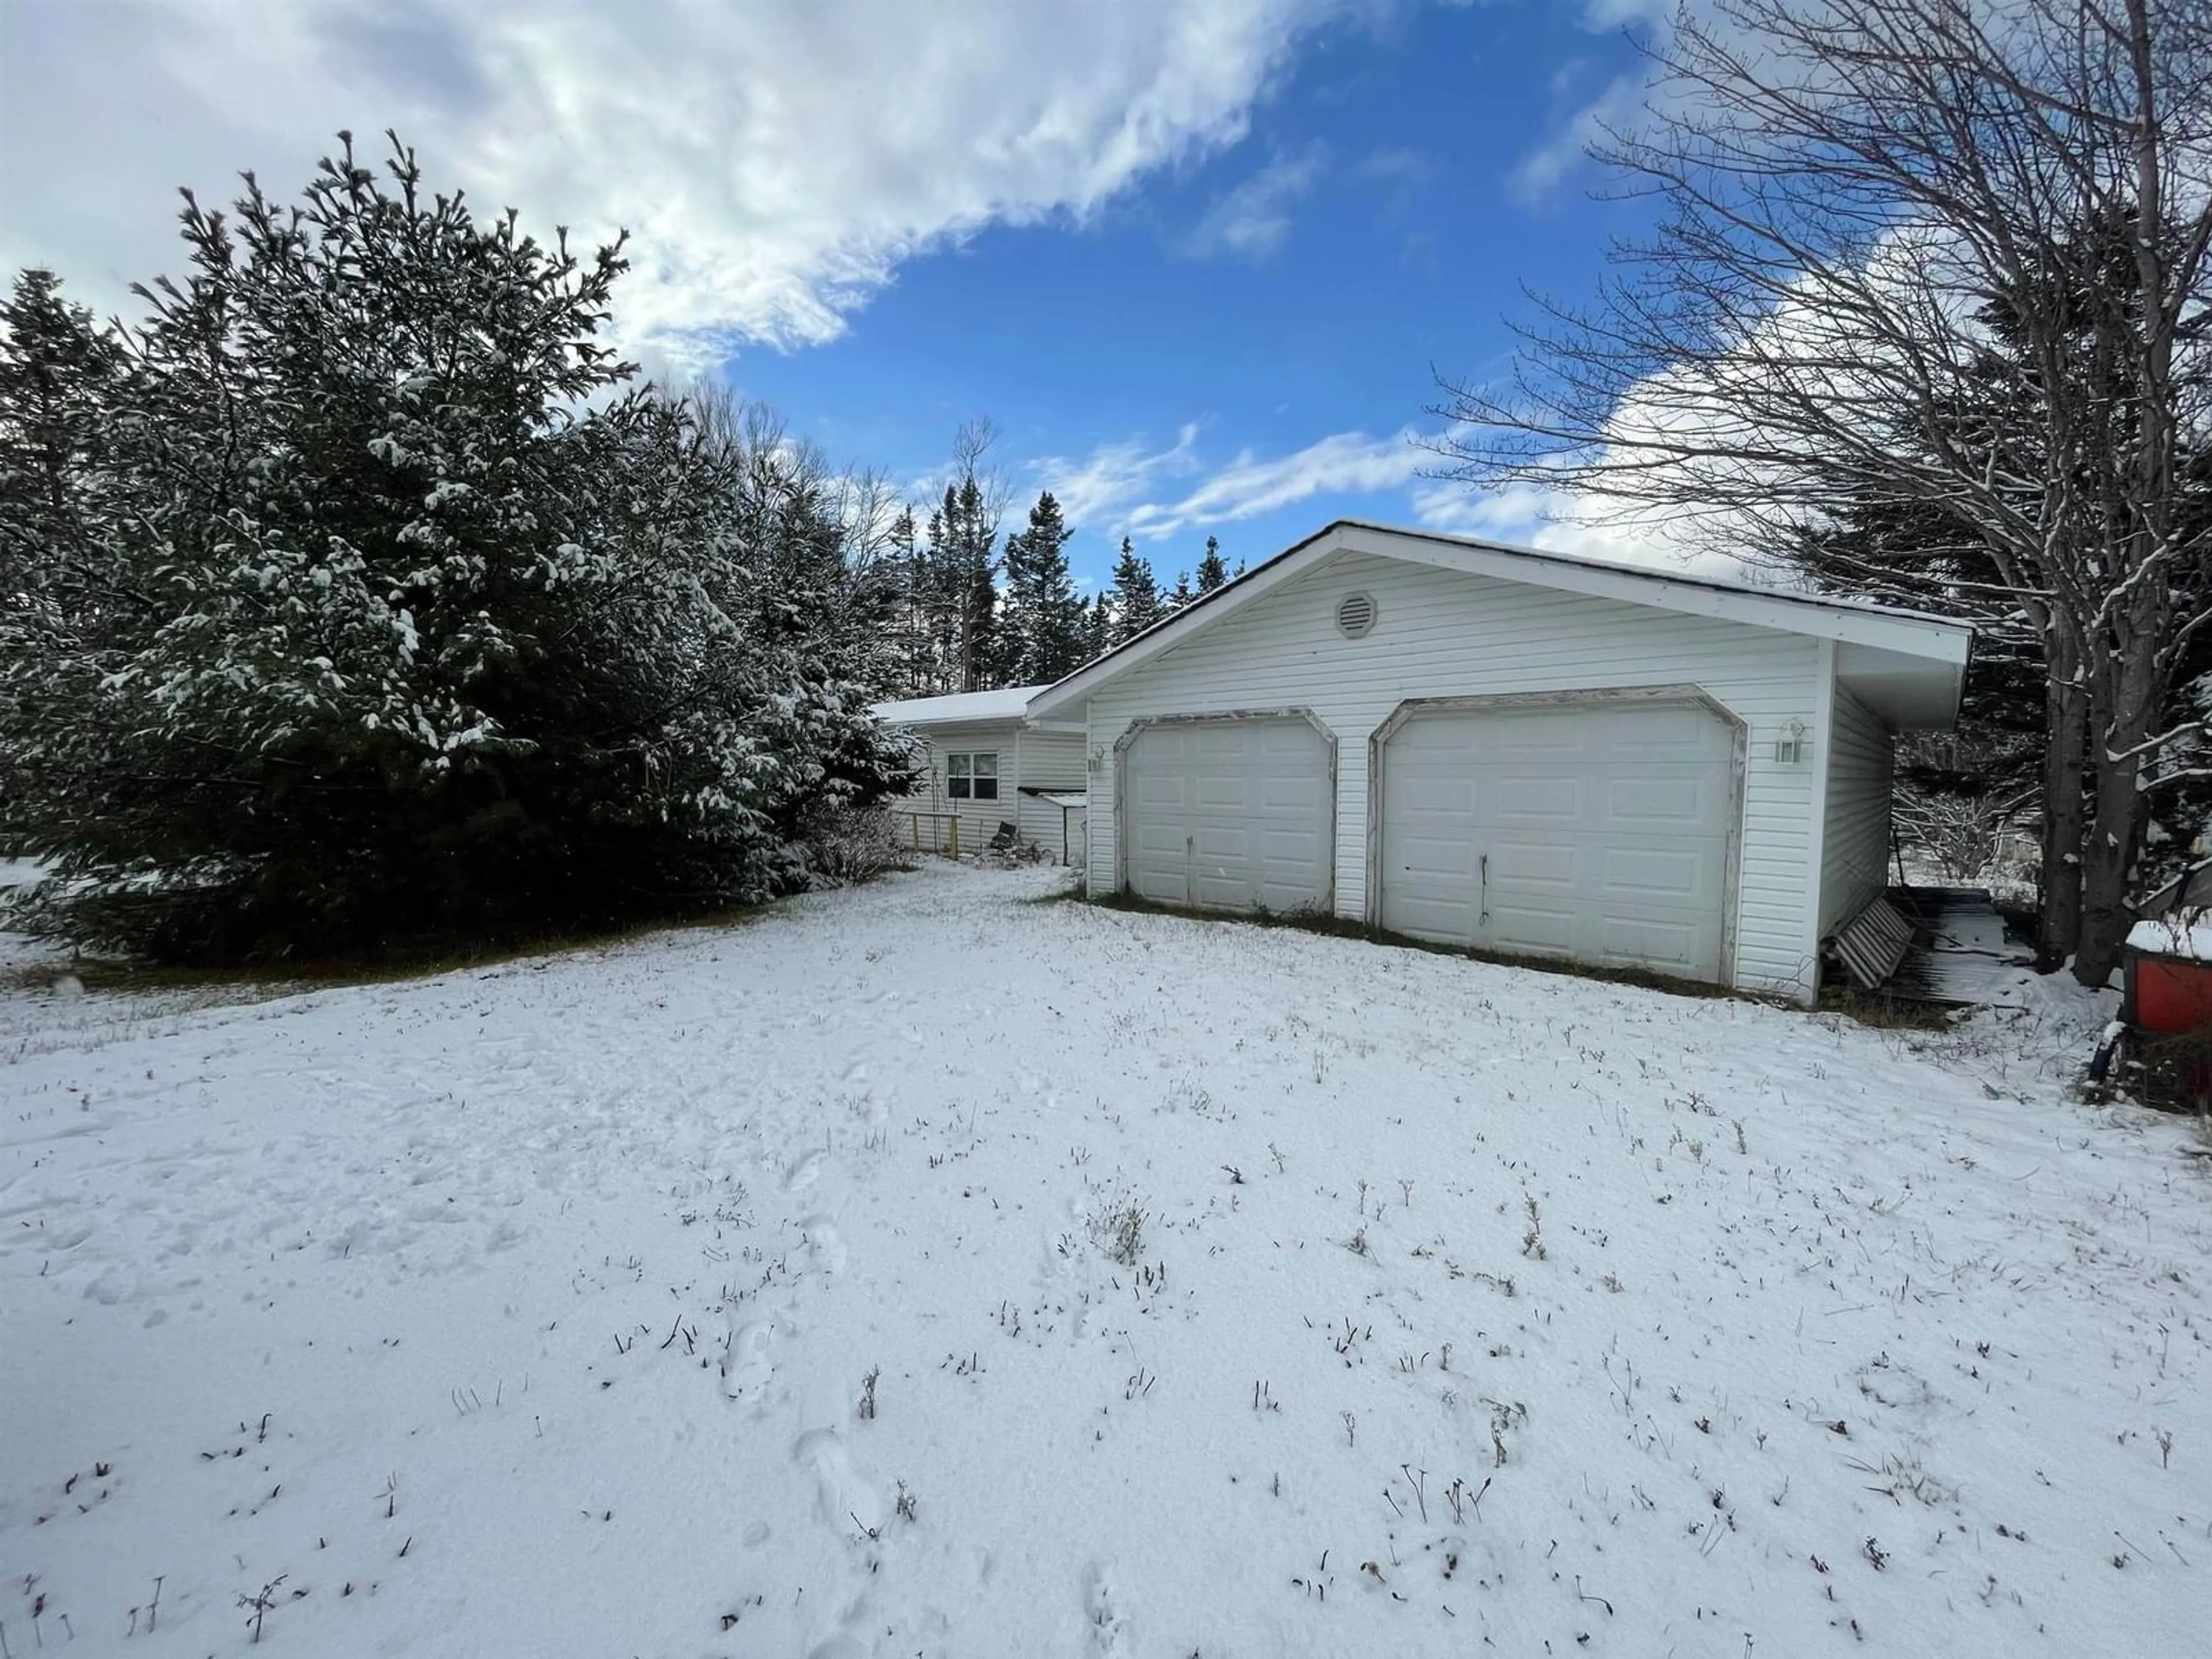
{"x": 1855, "y": 841}
{"x": 1444, "y": 633}
{"x": 1049, "y": 760}
{"x": 1038, "y": 760}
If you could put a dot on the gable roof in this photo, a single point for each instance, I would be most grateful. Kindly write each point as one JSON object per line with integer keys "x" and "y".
{"x": 1915, "y": 635}
{"x": 962, "y": 708}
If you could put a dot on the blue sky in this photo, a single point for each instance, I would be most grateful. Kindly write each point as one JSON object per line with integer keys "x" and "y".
{"x": 1196, "y": 259}
{"x": 1281, "y": 303}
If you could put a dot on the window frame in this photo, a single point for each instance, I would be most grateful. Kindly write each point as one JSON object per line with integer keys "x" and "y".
{"x": 962, "y": 774}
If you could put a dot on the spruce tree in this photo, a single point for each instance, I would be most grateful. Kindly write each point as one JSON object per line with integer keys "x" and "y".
{"x": 412, "y": 622}
{"x": 1136, "y": 595}
{"x": 1098, "y": 629}
{"x": 1045, "y": 635}
{"x": 61, "y": 595}
{"x": 1211, "y": 572}
{"x": 1180, "y": 595}
{"x": 964, "y": 536}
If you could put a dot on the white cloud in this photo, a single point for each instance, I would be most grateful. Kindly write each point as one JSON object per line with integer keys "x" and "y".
{"x": 1252, "y": 219}
{"x": 1616, "y": 108}
{"x": 1100, "y": 488}
{"x": 1539, "y": 175}
{"x": 1115, "y": 491}
{"x": 1343, "y": 462}
{"x": 776, "y": 160}
{"x": 1552, "y": 521}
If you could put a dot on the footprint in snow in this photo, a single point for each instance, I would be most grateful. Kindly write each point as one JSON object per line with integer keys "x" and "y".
{"x": 847, "y": 1501}
{"x": 829, "y": 1250}
{"x": 1109, "y": 1630}
{"x": 745, "y": 1364}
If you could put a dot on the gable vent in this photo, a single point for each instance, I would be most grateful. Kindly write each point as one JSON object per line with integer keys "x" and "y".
{"x": 1355, "y": 615}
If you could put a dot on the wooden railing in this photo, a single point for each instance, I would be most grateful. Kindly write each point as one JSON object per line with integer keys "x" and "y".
{"x": 932, "y": 832}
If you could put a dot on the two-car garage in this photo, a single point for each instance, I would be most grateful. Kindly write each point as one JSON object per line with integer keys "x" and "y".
{"x": 1599, "y": 829}
{"x": 1514, "y": 752}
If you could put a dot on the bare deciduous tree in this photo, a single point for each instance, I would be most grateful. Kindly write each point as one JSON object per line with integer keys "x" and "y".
{"x": 1942, "y": 255}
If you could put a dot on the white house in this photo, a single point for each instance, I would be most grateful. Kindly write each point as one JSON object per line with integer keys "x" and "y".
{"x": 988, "y": 765}
{"x": 1484, "y": 745}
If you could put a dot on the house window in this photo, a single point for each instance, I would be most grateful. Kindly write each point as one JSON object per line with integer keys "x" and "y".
{"x": 972, "y": 776}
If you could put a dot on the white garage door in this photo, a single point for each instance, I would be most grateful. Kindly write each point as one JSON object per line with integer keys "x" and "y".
{"x": 1595, "y": 832}
{"x": 1229, "y": 815}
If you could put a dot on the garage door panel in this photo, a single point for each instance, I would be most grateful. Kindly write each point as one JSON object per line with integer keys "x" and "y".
{"x": 1436, "y": 916}
{"x": 1450, "y": 857}
{"x": 1669, "y": 940}
{"x": 1666, "y": 802}
{"x": 1675, "y": 874}
{"x": 1544, "y": 930}
{"x": 1221, "y": 843}
{"x": 1523, "y": 797}
{"x": 1285, "y": 795}
{"x": 1166, "y": 793}
{"x": 1291, "y": 850}
{"x": 1231, "y": 814}
{"x": 1528, "y": 865}
{"x": 1221, "y": 792}
{"x": 1537, "y": 731}
{"x": 1608, "y": 828}
{"x": 1158, "y": 838}
{"x": 1424, "y": 794}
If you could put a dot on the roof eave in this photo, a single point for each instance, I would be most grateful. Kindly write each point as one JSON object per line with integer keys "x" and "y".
{"x": 1937, "y": 639}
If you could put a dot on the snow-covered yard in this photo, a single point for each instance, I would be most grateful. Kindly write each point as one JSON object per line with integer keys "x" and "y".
{"x": 914, "y": 1270}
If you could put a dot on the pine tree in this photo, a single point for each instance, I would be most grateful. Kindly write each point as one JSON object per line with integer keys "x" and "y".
{"x": 1180, "y": 595}
{"x": 1044, "y": 634}
{"x": 412, "y": 623}
{"x": 1098, "y": 635}
{"x": 917, "y": 670}
{"x": 1136, "y": 595}
{"x": 1211, "y": 572}
{"x": 61, "y": 595}
{"x": 964, "y": 536}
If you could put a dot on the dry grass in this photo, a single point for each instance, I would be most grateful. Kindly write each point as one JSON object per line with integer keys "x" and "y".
{"x": 1335, "y": 926}
{"x": 1884, "y": 1012}
{"x": 123, "y": 976}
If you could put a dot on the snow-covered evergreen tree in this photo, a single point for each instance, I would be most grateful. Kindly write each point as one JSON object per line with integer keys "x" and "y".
{"x": 1043, "y": 633}
{"x": 1136, "y": 595}
{"x": 60, "y": 593}
{"x": 1098, "y": 628}
{"x": 417, "y": 623}
{"x": 1211, "y": 572}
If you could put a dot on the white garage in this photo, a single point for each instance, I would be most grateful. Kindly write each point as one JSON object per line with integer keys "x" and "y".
{"x": 1598, "y": 828}
{"x": 1456, "y": 741}
{"x": 1232, "y": 813}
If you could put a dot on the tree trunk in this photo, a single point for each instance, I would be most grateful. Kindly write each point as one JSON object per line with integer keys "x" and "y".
{"x": 2059, "y": 925}
{"x": 2125, "y": 710}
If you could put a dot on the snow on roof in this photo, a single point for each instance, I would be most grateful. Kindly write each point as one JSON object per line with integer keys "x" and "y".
{"x": 1008, "y": 703}
{"x": 2186, "y": 934}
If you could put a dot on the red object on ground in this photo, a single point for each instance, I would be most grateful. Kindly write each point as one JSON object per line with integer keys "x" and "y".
{"x": 2167, "y": 995}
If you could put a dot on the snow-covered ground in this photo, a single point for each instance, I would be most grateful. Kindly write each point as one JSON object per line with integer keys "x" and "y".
{"x": 914, "y": 1270}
